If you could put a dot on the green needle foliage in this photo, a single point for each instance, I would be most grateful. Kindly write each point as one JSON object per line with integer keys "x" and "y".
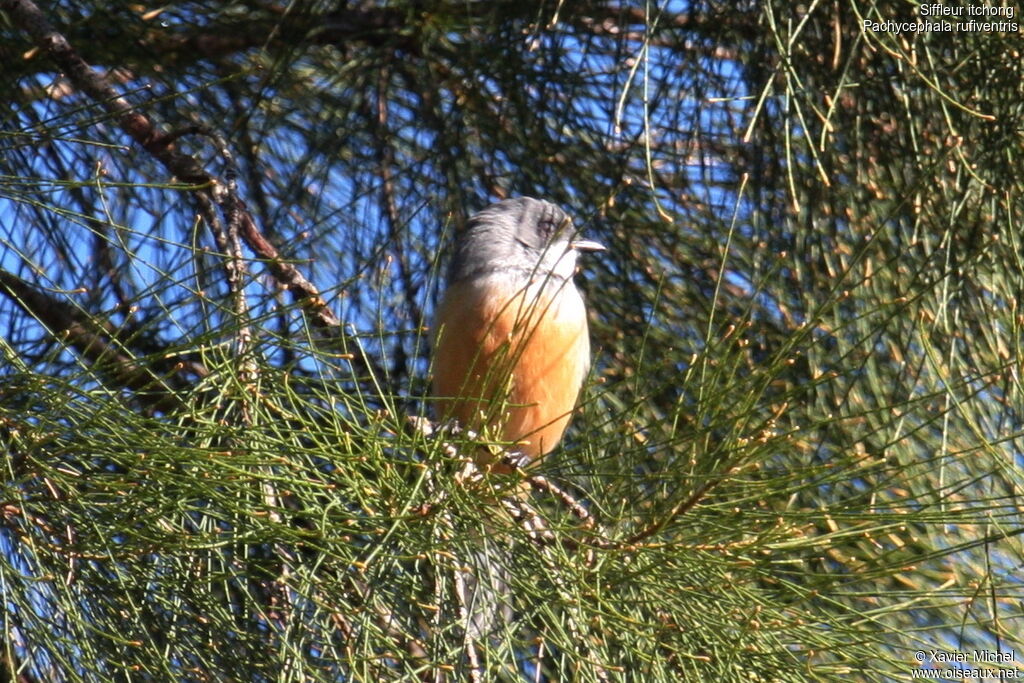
{"x": 223, "y": 229}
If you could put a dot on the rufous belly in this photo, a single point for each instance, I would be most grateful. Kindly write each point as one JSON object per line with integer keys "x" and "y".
{"x": 511, "y": 356}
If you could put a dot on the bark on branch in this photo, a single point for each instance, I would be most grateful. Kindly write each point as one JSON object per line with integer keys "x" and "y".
{"x": 96, "y": 343}
{"x": 161, "y": 145}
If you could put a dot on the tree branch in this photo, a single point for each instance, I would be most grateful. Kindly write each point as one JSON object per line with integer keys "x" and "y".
{"x": 94, "y": 342}
{"x": 161, "y": 146}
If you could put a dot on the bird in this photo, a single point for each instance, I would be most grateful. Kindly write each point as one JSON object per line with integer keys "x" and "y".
{"x": 512, "y": 345}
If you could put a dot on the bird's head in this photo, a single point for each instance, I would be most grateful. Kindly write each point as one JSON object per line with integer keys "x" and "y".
{"x": 522, "y": 234}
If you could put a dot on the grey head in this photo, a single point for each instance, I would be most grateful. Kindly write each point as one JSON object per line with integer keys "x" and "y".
{"x": 525, "y": 235}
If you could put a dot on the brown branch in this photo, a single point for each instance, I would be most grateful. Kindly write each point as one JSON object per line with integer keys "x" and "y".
{"x": 681, "y": 508}
{"x": 94, "y": 342}
{"x": 161, "y": 146}
{"x": 281, "y": 28}
{"x": 163, "y": 48}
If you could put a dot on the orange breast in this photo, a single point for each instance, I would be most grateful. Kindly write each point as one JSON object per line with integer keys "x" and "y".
{"x": 512, "y": 357}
